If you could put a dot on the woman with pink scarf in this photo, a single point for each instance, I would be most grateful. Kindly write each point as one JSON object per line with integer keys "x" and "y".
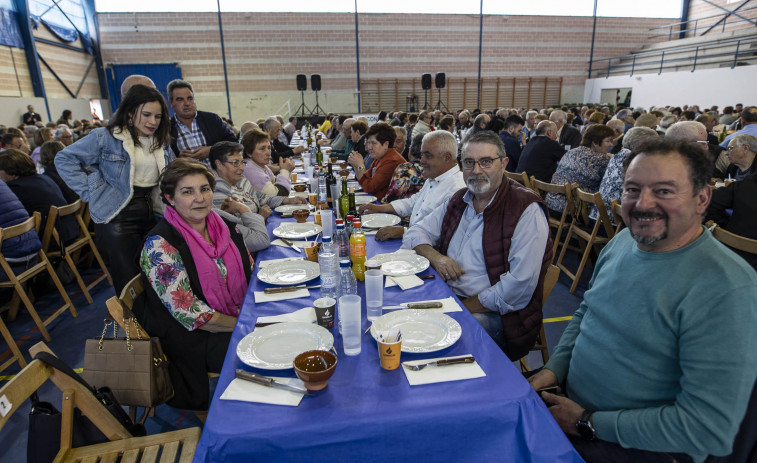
{"x": 196, "y": 270}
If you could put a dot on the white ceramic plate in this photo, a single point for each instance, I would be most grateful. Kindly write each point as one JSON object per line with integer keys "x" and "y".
{"x": 289, "y": 272}
{"x": 378, "y": 220}
{"x": 274, "y": 347}
{"x": 397, "y": 264}
{"x": 422, "y": 331}
{"x": 298, "y": 194}
{"x": 364, "y": 199}
{"x": 289, "y": 208}
{"x": 291, "y": 230}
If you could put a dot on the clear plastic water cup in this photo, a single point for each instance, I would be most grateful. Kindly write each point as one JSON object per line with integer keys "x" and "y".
{"x": 350, "y": 317}
{"x": 327, "y": 222}
{"x": 374, "y": 293}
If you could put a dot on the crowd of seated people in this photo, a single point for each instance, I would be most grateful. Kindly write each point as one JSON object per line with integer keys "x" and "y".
{"x": 486, "y": 235}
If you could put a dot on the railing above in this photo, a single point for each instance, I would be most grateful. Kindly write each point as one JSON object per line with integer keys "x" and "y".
{"x": 604, "y": 67}
{"x": 706, "y": 24}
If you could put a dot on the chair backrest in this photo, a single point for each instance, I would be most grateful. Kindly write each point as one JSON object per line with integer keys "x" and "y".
{"x": 586, "y": 199}
{"x": 32, "y": 223}
{"x": 14, "y": 394}
{"x": 565, "y": 189}
{"x": 617, "y": 213}
{"x": 521, "y": 178}
{"x": 51, "y": 233}
{"x": 550, "y": 280}
{"x": 733, "y": 240}
{"x": 120, "y": 308}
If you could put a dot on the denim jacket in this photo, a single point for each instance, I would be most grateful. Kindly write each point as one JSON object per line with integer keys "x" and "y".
{"x": 108, "y": 185}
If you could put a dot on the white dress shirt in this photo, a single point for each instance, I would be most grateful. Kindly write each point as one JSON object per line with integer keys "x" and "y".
{"x": 433, "y": 192}
{"x": 514, "y": 288}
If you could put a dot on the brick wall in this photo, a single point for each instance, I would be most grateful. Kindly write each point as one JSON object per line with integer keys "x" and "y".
{"x": 264, "y": 52}
{"x": 701, "y": 10}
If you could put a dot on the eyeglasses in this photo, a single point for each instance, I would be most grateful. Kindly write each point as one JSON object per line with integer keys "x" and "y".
{"x": 703, "y": 142}
{"x": 732, "y": 147}
{"x": 236, "y": 163}
{"x": 485, "y": 163}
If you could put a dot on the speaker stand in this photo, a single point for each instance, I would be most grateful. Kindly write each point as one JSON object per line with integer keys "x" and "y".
{"x": 317, "y": 110}
{"x": 440, "y": 105}
{"x": 425, "y": 100}
{"x": 302, "y": 109}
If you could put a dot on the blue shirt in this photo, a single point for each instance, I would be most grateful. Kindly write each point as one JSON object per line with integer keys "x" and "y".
{"x": 750, "y": 129}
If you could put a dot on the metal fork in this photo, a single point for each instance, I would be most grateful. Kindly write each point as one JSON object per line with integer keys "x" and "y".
{"x": 440, "y": 363}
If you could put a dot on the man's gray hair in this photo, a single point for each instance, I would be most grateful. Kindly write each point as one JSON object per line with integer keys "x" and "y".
{"x": 688, "y": 131}
{"x": 668, "y": 121}
{"x": 530, "y": 113}
{"x": 617, "y": 125}
{"x": 445, "y": 141}
{"x": 745, "y": 140}
{"x": 622, "y": 114}
{"x": 637, "y": 136}
{"x": 558, "y": 115}
{"x": 269, "y": 122}
{"x": 403, "y": 131}
{"x": 60, "y": 131}
{"x": 178, "y": 83}
{"x": 544, "y": 126}
{"x": 488, "y": 137}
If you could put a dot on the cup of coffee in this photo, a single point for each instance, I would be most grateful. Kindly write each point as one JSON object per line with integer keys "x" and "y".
{"x": 389, "y": 354}
{"x": 324, "y": 311}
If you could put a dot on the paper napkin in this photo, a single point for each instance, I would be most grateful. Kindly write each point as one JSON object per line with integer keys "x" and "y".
{"x": 306, "y": 315}
{"x": 432, "y": 374}
{"x": 247, "y": 391}
{"x": 404, "y": 282}
{"x": 448, "y": 305}
{"x": 260, "y": 296}
{"x": 266, "y": 263}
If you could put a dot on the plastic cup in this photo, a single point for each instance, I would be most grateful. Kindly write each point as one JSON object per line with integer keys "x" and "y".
{"x": 374, "y": 293}
{"x": 294, "y": 177}
{"x": 324, "y": 311}
{"x": 349, "y": 316}
{"x": 312, "y": 252}
{"x": 317, "y": 218}
{"x": 389, "y": 354}
{"x": 327, "y": 222}
{"x": 313, "y": 197}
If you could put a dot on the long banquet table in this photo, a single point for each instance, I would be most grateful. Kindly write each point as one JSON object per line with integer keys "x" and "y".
{"x": 368, "y": 414}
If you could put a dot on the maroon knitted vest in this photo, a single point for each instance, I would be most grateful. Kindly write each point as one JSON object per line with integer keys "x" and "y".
{"x": 500, "y": 218}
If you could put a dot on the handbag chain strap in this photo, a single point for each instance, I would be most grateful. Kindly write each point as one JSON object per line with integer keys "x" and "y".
{"x": 107, "y": 321}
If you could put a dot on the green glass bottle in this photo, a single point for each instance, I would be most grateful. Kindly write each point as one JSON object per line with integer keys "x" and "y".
{"x": 352, "y": 208}
{"x": 319, "y": 156}
{"x": 344, "y": 200}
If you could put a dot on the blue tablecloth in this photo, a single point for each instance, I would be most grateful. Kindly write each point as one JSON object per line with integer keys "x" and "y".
{"x": 368, "y": 414}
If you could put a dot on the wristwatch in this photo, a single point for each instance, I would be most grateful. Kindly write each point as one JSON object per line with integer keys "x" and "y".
{"x": 360, "y": 168}
{"x": 584, "y": 426}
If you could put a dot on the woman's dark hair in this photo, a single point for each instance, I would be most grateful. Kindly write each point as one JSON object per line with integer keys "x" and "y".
{"x": 595, "y": 134}
{"x": 47, "y": 152}
{"x": 447, "y": 123}
{"x": 179, "y": 169}
{"x": 15, "y": 162}
{"x": 383, "y": 133}
{"x": 359, "y": 126}
{"x": 222, "y": 150}
{"x": 135, "y": 99}
{"x": 252, "y": 139}
{"x": 496, "y": 125}
{"x": 382, "y": 115}
{"x": 66, "y": 114}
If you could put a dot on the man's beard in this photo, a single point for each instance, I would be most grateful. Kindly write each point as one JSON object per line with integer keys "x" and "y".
{"x": 476, "y": 188}
{"x": 647, "y": 239}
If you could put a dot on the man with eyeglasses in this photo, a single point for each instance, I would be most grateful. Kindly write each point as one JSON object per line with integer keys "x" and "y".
{"x": 14, "y": 141}
{"x": 490, "y": 243}
{"x": 64, "y": 135}
{"x": 236, "y": 200}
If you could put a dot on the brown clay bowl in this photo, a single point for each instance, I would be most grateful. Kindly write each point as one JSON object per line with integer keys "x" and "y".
{"x": 344, "y": 173}
{"x": 343, "y": 165}
{"x": 300, "y": 188}
{"x": 314, "y": 368}
{"x": 333, "y": 159}
{"x": 301, "y": 215}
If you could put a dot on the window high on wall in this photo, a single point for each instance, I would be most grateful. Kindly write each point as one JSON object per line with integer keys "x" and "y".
{"x": 637, "y": 8}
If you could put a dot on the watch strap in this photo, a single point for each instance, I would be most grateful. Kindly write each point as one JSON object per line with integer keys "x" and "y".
{"x": 585, "y": 427}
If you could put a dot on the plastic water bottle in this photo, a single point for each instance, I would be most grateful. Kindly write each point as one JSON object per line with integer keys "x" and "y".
{"x": 323, "y": 194}
{"x": 341, "y": 240}
{"x": 328, "y": 261}
{"x": 347, "y": 282}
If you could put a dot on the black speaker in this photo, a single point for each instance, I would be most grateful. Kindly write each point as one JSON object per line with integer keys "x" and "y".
{"x": 302, "y": 82}
{"x": 426, "y": 81}
{"x": 315, "y": 82}
{"x": 441, "y": 79}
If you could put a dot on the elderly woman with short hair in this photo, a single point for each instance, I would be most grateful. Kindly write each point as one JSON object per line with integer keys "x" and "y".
{"x": 257, "y": 150}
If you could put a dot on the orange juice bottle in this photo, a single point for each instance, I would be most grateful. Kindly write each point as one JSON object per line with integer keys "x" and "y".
{"x": 357, "y": 250}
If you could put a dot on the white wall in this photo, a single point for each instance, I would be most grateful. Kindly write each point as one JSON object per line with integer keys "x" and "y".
{"x": 12, "y": 108}
{"x": 706, "y": 87}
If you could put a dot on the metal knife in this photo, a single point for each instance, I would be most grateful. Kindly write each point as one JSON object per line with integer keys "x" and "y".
{"x": 269, "y": 382}
{"x": 290, "y": 244}
{"x": 440, "y": 363}
{"x": 286, "y": 289}
{"x": 416, "y": 305}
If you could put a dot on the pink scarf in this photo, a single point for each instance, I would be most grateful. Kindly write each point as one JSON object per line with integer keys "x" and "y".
{"x": 224, "y": 297}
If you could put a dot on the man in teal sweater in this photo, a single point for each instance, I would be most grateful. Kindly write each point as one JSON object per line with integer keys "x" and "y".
{"x": 658, "y": 361}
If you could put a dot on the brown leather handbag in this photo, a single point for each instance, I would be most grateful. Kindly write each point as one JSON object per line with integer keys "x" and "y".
{"x": 136, "y": 370}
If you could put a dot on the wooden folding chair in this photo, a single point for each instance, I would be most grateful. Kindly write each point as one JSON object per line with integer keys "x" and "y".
{"x": 588, "y": 238}
{"x": 732, "y": 240}
{"x": 617, "y": 213}
{"x": 122, "y": 445}
{"x": 521, "y": 178}
{"x": 542, "y": 188}
{"x": 550, "y": 280}
{"x": 16, "y": 355}
{"x": 76, "y": 210}
{"x": 18, "y": 282}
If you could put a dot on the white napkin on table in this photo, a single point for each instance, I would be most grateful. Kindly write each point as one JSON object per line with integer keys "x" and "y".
{"x": 370, "y": 231}
{"x": 266, "y": 263}
{"x": 299, "y": 244}
{"x": 247, "y": 391}
{"x": 432, "y": 374}
{"x": 306, "y": 315}
{"x": 404, "y": 282}
{"x": 448, "y": 305}
{"x": 260, "y": 296}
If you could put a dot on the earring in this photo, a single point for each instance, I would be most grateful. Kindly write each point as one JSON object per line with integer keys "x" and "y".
{"x": 131, "y": 123}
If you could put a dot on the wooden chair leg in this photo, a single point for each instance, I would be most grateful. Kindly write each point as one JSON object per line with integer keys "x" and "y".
{"x": 78, "y": 277}
{"x": 15, "y": 351}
